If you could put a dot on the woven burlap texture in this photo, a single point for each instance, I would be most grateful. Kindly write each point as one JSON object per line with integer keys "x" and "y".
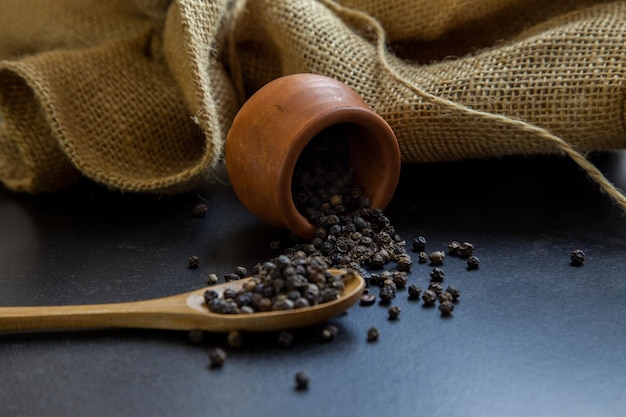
{"x": 139, "y": 95}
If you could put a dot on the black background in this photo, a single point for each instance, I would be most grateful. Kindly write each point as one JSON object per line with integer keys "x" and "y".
{"x": 531, "y": 335}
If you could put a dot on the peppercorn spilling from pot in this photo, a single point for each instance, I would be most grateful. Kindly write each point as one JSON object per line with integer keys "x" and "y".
{"x": 348, "y": 233}
{"x": 323, "y": 183}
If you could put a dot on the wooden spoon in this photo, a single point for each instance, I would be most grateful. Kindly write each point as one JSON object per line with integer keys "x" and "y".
{"x": 186, "y": 311}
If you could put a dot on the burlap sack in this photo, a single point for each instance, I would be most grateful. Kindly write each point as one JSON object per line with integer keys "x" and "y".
{"x": 84, "y": 88}
{"x": 138, "y": 95}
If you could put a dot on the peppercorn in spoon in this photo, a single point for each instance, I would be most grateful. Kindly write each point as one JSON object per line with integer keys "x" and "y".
{"x": 187, "y": 311}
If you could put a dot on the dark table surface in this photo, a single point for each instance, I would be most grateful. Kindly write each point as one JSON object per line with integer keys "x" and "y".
{"x": 531, "y": 335}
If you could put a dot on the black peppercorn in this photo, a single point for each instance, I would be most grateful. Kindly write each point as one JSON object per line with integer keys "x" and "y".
{"x": 231, "y": 277}
{"x": 446, "y": 308}
{"x": 437, "y": 274}
{"x": 437, "y": 257}
{"x": 473, "y": 262}
{"x": 195, "y": 336}
{"x": 264, "y": 304}
{"x": 328, "y": 294}
{"x": 302, "y": 381}
{"x": 399, "y": 278}
{"x": 577, "y": 257}
{"x": 454, "y": 292}
{"x": 429, "y": 297}
{"x": 210, "y": 295}
{"x": 244, "y": 298}
{"x": 283, "y": 304}
{"x": 422, "y": 258}
{"x": 275, "y": 244}
{"x": 394, "y": 312}
{"x": 217, "y": 357}
{"x": 330, "y": 332}
{"x": 193, "y": 262}
{"x": 200, "y": 210}
{"x": 444, "y": 296}
{"x": 377, "y": 260}
{"x": 453, "y": 248}
{"x": 229, "y": 293}
{"x": 235, "y": 339}
{"x": 212, "y": 279}
{"x": 372, "y": 334}
{"x": 285, "y": 338}
{"x": 241, "y": 271}
{"x": 386, "y": 280}
{"x": 364, "y": 201}
{"x": 465, "y": 249}
{"x": 414, "y": 292}
{"x": 386, "y": 294}
{"x": 301, "y": 302}
{"x": 376, "y": 279}
{"x": 335, "y": 200}
{"x": 435, "y": 287}
{"x": 367, "y": 299}
{"x": 404, "y": 263}
{"x": 419, "y": 244}
{"x": 250, "y": 286}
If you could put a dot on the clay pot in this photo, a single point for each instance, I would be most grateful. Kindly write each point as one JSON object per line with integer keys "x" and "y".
{"x": 273, "y": 127}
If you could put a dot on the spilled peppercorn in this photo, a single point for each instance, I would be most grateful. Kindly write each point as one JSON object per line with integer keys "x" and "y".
{"x": 372, "y": 334}
{"x": 577, "y": 257}
{"x": 473, "y": 262}
{"x": 437, "y": 257}
{"x": 200, "y": 210}
{"x": 217, "y": 357}
{"x": 330, "y": 332}
{"x": 302, "y": 380}
{"x": 446, "y": 308}
{"x": 394, "y": 312}
{"x": 193, "y": 262}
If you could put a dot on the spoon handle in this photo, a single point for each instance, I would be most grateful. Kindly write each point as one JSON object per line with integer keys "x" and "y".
{"x": 160, "y": 313}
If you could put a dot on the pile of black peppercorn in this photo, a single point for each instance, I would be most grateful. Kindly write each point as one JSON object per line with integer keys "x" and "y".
{"x": 285, "y": 283}
{"x": 348, "y": 233}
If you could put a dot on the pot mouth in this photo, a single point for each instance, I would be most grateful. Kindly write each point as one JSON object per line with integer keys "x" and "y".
{"x": 373, "y": 155}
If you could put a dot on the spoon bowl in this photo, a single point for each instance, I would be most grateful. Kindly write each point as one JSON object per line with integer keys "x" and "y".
{"x": 186, "y": 311}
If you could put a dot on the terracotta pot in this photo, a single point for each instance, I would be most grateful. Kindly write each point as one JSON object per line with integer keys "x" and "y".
{"x": 273, "y": 127}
